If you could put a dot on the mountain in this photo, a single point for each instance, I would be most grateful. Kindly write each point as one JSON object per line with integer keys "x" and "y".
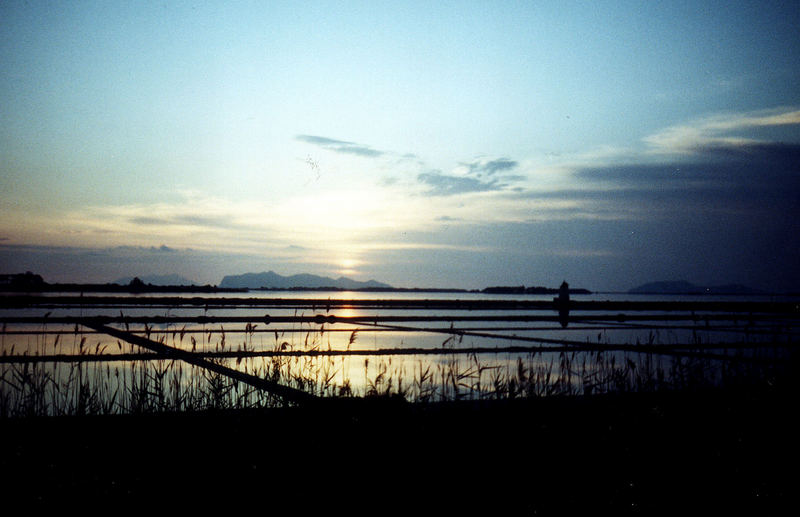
{"x": 156, "y": 280}
{"x": 273, "y": 280}
{"x": 683, "y": 287}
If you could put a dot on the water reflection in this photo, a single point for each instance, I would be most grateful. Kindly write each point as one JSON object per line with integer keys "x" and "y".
{"x": 298, "y": 354}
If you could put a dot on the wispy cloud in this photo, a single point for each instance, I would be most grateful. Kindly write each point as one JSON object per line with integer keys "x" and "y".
{"x": 155, "y": 221}
{"x": 714, "y": 164}
{"x": 341, "y": 146}
{"x": 185, "y": 220}
{"x": 574, "y": 253}
{"x": 448, "y": 185}
{"x": 742, "y": 182}
{"x": 730, "y": 165}
{"x": 421, "y": 246}
{"x": 730, "y": 129}
{"x": 201, "y": 222}
{"x": 489, "y": 167}
{"x": 480, "y": 175}
{"x": 138, "y": 250}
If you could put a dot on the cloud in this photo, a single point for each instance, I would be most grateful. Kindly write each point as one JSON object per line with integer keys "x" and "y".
{"x": 158, "y": 221}
{"x": 730, "y": 129}
{"x": 421, "y": 246}
{"x": 203, "y": 220}
{"x": 191, "y": 222}
{"x": 774, "y": 164}
{"x": 754, "y": 181}
{"x": 489, "y": 167}
{"x": 481, "y": 175}
{"x": 776, "y": 156}
{"x": 651, "y": 175}
{"x": 184, "y": 220}
{"x": 449, "y": 185}
{"x": 340, "y": 146}
{"x": 759, "y": 181}
{"x": 576, "y": 253}
{"x": 138, "y": 250}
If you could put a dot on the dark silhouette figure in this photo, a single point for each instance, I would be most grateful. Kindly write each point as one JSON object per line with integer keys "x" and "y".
{"x": 562, "y": 304}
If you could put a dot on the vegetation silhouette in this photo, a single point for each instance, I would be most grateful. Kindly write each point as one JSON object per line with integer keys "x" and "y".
{"x": 551, "y": 432}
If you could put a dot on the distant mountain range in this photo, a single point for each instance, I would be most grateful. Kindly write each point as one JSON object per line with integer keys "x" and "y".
{"x": 683, "y": 287}
{"x": 272, "y": 280}
{"x": 156, "y": 280}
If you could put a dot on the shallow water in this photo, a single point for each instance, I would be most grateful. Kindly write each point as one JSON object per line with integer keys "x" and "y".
{"x": 543, "y": 367}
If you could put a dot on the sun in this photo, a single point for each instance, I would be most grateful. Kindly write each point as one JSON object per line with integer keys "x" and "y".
{"x": 347, "y": 266}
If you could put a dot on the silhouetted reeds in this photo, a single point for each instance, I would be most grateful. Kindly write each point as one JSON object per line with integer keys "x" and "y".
{"x": 169, "y": 385}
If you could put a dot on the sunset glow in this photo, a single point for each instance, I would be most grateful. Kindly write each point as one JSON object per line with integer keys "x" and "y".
{"x": 611, "y": 144}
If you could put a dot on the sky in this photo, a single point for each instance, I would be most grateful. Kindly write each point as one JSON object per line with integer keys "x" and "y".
{"x": 422, "y": 144}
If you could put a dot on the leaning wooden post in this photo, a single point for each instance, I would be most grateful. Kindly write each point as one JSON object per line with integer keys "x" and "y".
{"x": 285, "y": 392}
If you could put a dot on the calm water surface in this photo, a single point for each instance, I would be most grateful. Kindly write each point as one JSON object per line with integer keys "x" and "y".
{"x": 461, "y": 372}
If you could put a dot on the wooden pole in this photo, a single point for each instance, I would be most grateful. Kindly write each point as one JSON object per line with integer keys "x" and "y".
{"x": 286, "y": 393}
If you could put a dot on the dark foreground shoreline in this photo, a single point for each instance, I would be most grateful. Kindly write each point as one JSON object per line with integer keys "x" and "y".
{"x": 708, "y": 452}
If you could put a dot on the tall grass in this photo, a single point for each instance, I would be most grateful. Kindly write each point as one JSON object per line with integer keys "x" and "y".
{"x": 160, "y": 385}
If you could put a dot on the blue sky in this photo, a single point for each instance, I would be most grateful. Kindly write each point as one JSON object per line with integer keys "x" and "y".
{"x": 440, "y": 144}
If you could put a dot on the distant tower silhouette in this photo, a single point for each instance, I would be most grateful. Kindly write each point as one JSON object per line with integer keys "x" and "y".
{"x": 562, "y": 304}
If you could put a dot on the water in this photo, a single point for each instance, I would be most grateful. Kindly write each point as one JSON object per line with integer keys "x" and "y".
{"x": 541, "y": 368}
